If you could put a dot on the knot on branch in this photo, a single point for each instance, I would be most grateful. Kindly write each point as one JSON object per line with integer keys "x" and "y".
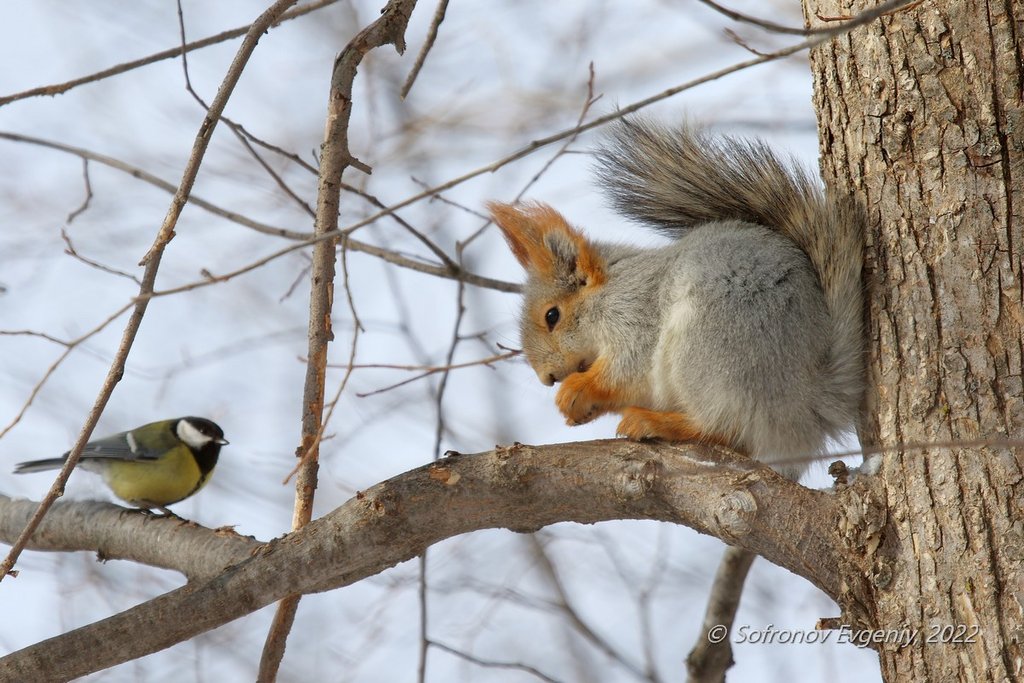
{"x": 735, "y": 514}
{"x": 383, "y": 504}
{"x": 861, "y": 521}
{"x": 637, "y": 479}
{"x": 509, "y": 472}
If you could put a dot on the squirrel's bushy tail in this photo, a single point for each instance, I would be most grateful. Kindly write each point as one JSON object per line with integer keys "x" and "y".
{"x": 678, "y": 178}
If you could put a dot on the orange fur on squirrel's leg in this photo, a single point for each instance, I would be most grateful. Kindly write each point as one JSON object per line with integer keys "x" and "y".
{"x": 586, "y": 395}
{"x": 641, "y": 423}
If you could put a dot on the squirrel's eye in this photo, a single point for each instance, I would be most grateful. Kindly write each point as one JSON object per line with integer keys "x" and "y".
{"x": 551, "y": 317}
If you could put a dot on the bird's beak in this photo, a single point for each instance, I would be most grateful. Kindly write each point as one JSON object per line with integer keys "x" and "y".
{"x": 221, "y": 442}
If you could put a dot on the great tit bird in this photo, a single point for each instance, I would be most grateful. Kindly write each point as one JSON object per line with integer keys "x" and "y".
{"x": 153, "y": 465}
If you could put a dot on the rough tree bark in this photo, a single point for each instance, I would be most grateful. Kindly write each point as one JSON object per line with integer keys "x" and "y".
{"x": 921, "y": 116}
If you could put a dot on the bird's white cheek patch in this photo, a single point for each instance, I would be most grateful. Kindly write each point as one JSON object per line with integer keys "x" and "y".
{"x": 192, "y": 436}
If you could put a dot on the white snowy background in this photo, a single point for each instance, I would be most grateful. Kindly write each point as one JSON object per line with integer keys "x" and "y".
{"x": 500, "y": 75}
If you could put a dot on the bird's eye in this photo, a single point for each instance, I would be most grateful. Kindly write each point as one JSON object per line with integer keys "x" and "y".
{"x": 551, "y": 317}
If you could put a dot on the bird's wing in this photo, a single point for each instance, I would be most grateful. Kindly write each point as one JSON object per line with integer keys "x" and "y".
{"x": 120, "y": 446}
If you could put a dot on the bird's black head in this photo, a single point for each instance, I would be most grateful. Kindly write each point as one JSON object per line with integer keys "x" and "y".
{"x": 204, "y": 438}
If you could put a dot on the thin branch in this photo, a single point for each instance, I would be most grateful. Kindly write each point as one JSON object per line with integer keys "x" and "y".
{"x": 642, "y": 591}
{"x": 88, "y": 194}
{"x": 445, "y": 259}
{"x": 60, "y": 88}
{"x": 861, "y": 19}
{"x": 247, "y": 141}
{"x": 157, "y": 182}
{"x": 851, "y": 23}
{"x": 69, "y": 249}
{"x": 491, "y": 664}
{"x": 711, "y": 656}
{"x": 209, "y": 124}
{"x": 588, "y": 102}
{"x": 460, "y": 312}
{"x": 357, "y": 327}
{"x": 424, "y": 617}
{"x": 593, "y": 123}
{"x": 579, "y": 624}
{"x": 335, "y": 158}
{"x": 33, "y": 333}
{"x": 451, "y": 272}
{"x": 397, "y": 259}
{"x": 232, "y": 126}
{"x": 69, "y": 347}
{"x": 151, "y": 261}
{"x": 435, "y": 24}
{"x": 880, "y": 11}
{"x": 291, "y": 156}
{"x": 431, "y": 371}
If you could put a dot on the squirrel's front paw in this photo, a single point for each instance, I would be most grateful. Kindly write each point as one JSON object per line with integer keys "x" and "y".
{"x": 576, "y": 401}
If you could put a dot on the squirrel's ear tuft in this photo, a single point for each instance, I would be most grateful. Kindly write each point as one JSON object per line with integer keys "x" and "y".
{"x": 546, "y": 245}
{"x": 518, "y": 230}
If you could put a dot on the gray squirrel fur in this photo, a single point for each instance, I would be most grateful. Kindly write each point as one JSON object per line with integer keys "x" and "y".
{"x": 747, "y": 325}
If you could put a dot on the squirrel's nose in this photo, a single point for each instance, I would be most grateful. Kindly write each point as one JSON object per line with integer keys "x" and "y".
{"x": 550, "y": 379}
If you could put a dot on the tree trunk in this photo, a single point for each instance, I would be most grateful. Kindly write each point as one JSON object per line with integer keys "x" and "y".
{"x": 920, "y": 116}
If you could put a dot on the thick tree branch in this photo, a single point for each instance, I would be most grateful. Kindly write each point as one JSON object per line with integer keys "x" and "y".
{"x": 522, "y": 488}
{"x": 117, "y": 533}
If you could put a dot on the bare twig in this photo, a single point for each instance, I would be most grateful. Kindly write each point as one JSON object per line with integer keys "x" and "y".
{"x": 429, "y": 369}
{"x": 435, "y": 24}
{"x": 491, "y": 664}
{"x": 243, "y": 137}
{"x": 69, "y": 249}
{"x": 588, "y": 102}
{"x": 295, "y": 283}
{"x": 432, "y": 371}
{"x": 451, "y": 272}
{"x": 357, "y": 327}
{"x": 69, "y": 347}
{"x": 248, "y": 140}
{"x": 88, "y": 194}
{"x": 711, "y": 656}
{"x": 389, "y": 256}
{"x": 861, "y": 19}
{"x": 882, "y": 10}
{"x": 291, "y": 156}
{"x": 155, "y": 181}
{"x": 151, "y": 261}
{"x": 424, "y": 618}
{"x": 34, "y": 333}
{"x": 460, "y": 311}
{"x": 445, "y": 259}
{"x": 335, "y": 158}
{"x": 565, "y": 606}
{"x": 60, "y": 88}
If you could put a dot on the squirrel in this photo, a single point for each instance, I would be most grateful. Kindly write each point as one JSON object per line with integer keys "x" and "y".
{"x": 746, "y": 331}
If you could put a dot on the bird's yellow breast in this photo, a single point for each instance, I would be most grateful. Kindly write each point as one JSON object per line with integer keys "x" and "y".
{"x": 158, "y": 482}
